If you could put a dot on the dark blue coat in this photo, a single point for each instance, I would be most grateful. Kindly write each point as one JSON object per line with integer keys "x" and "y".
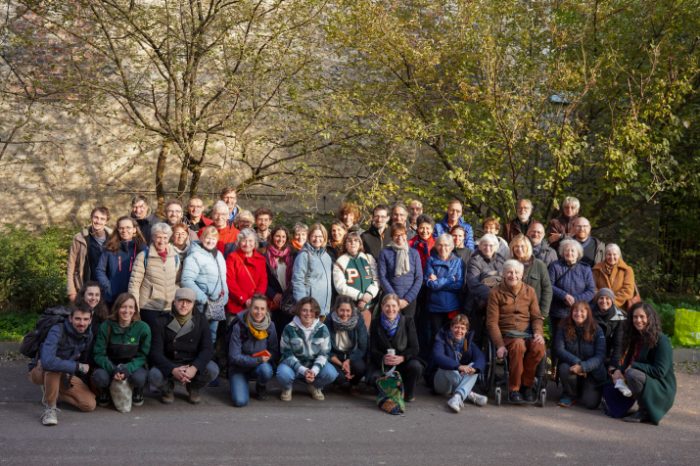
{"x": 358, "y": 336}
{"x": 446, "y": 356}
{"x": 114, "y": 270}
{"x": 444, "y": 293}
{"x": 576, "y": 280}
{"x": 407, "y": 285}
{"x": 63, "y": 348}
{"x": 442, "y": 227}
{"x": 589, "y": 354}
{"x": 242, "y": 345}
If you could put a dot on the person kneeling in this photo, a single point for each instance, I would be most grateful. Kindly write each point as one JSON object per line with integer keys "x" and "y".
{"x": 182, "y": 350}
{"x": 306, "y": 347}
{"x": 60, "y": 367}
{"x": 253, "y": 346}
{"x": 458, "y": 361}
{"x": 580, "y": 346}
{"x": 121, "y": 349}
{"x": 515, "y": 326}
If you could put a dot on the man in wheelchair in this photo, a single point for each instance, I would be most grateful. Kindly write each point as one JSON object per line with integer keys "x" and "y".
{"x": 515, "y": 326}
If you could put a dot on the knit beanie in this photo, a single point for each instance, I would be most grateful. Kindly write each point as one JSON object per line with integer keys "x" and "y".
{"x": 604, "y": 292}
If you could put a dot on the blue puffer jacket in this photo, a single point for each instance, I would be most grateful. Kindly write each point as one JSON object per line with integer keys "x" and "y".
{"x": 405, "y": 286}
{"x": 312, "y": 276}
{"x": 444, "y": 293}
{"x": 589, "y": 354}
{"x": 205, "y": 273}
{"x": 114, "y": 270}
{"x": 64, "y": 348}
{"x": 442, "y": 227}
{"x": 243, "y": 345}
{"x": 576, "y": 280}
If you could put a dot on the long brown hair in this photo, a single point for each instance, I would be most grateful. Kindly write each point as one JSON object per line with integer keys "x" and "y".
{"x": 115, "y": 240}
{"x": 589, "y": 325}
{"x": 650, "y": 335}
{"x": 121, "y": 299}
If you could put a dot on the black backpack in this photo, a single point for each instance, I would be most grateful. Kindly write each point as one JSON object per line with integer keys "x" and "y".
{"x": 34, "y": 338}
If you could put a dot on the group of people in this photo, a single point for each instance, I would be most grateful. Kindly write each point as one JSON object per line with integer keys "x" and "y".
{"x": 344, "y": 305}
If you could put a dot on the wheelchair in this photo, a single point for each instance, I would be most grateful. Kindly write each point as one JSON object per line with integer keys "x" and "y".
{"x": 495, "y": 379}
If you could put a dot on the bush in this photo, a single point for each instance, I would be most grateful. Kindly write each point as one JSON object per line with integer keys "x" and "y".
{"x": 14, "y": 325}
{"x": 33, "y": 269}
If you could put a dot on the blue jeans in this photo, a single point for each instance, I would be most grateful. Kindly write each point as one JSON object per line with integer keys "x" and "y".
{"x": 213, "y": 327}
{"x": 447, "y": 382}
{"x": 201, "y": 379}
{"x": 102, "y": 379}
{"x": 286, "y": 376}
{"x": 240, "y": 393}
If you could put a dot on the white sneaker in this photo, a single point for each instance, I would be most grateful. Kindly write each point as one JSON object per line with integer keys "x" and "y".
{"x": 478, "y": 400}
{"x": 286, "y": 395}
{"x": 455, "y": 403}
{"x": 623, "y": 388}
{"x": 50, "y": 417}
{"x": 315, "y": 393}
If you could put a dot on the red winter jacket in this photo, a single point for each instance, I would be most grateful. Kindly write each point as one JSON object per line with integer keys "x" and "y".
{"x": 422, "y": 247}
{"x": 245, "y": 276}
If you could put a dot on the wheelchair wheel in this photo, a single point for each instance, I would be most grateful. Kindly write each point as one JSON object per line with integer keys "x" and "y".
{"x": 497, "y": 393}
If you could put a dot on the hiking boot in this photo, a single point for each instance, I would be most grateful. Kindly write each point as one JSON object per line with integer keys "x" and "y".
{"x": 50, "y": 416}
{"x": 455, "y": 403}
{"x": 315, "y": 393}
{"x": 478, "y": 400}
{"x": 286, "y": 394}
{"x": 260, "y": 392}
{"x": 103, "y": 399}
{"x": 137, "y": 397}
{"x": 167, "y": 394}
{"x": 193, "y": 395}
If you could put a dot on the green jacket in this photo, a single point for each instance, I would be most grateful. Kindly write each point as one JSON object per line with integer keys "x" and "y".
{"x": 128, "y": 346}
{"x": 660, "y": 388}
{"x": 537, "y": 276}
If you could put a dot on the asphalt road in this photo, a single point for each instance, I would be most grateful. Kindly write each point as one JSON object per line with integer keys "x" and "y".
{"x": 341, "y": 430}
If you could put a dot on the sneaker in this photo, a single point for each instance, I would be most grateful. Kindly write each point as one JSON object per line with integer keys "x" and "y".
{"x": 315, "y": 393}
{"x": 193, "y": 395}
{"x": 260, "y": 392}
{"x": 286, "y": 395}
{"x": 455, "y": 403}
{"x": 50, "y": 416}
{"x": 515, "y": 397}
{"x": 565, "y": 402}
{"x": 137, "y": 397}
{"x": 478, "y": 400}
{"x": 528, "y": 394}
{"x": 103, "y": 399}
{"x": 168, "y": 393}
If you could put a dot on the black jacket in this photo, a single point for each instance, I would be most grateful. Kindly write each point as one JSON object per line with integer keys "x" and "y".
{"x": 405, "y": 341}
{"x": 373, "y": 242}
{"x": 173, "y": 346}
{"x": 613, "y": 326}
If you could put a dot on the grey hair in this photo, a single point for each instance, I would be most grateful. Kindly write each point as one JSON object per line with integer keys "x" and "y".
{"x": 447, "y": 239}
{"x": 573, "y": 201}
{"x": 513, "y": 264}
{"x": 245, "y": 234}
{"x": 300, "y": 227}
{"x": 220, "y": 205}
{"x": 161, "y": 227}
{"x": 614, "y": 247}
{"x": 575, "y": 244}
{"x": 489, "y": 238}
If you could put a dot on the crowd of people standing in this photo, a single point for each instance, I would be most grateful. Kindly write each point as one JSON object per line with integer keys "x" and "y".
{"x": 343, "y": 304}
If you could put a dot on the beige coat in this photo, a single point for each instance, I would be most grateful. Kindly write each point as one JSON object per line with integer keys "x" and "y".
{"x": 78, "y": 266}
{"x": 154, "y": 285}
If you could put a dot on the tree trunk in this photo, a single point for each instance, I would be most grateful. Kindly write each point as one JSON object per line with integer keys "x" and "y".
{"x": 160, "y": 175}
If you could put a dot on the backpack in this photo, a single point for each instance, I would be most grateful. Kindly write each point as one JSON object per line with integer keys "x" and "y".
{"x": 34, "y": 338}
